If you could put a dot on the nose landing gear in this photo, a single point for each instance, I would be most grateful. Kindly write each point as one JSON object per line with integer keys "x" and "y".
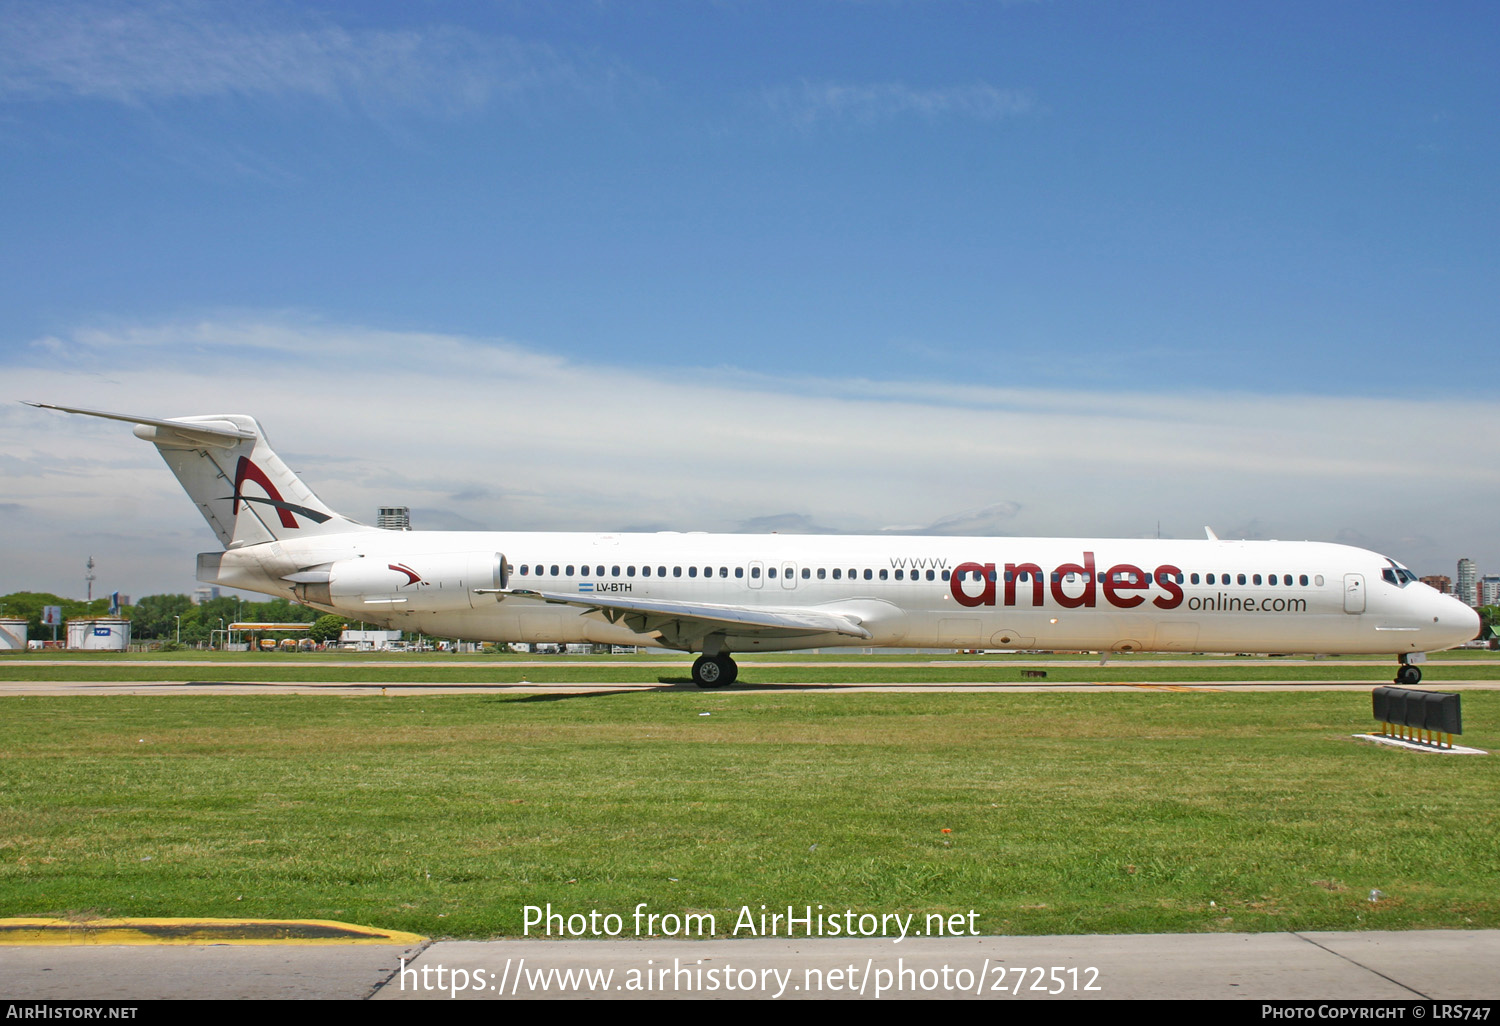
{"x": 1408, "y": 675}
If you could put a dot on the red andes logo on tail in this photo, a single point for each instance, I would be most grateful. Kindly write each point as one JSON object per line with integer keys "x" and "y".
{"x": 1117, "y": 583}
{"x": 248, "y": 471}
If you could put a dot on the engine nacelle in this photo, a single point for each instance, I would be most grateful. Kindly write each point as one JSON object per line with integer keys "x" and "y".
{"x": 434, "y": 582}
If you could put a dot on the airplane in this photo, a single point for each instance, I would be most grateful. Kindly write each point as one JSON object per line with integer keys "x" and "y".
{"x": 721, "y": 594}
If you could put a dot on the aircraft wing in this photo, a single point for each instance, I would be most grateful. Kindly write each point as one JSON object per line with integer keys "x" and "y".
{"x": 695, "y": 620}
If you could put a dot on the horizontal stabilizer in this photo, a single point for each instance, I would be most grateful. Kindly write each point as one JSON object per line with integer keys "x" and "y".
{"x": 221, "y": 432}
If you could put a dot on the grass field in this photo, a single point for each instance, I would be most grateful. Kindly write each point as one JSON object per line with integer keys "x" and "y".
{"x": 1069, "y": 813}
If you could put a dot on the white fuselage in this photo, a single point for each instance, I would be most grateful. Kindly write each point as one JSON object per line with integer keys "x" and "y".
{"x": 999, "y": 593}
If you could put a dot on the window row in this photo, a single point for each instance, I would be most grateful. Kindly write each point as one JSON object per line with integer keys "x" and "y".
{"x": 807, "y": 573}
{"x": 901, "y": 574}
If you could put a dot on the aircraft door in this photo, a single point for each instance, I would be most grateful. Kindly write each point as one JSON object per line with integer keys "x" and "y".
{"x": 1354, "y": 593}
{"x": 789, "y": 575}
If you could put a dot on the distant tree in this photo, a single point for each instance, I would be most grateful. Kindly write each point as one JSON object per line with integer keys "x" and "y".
{"x": 1489, "y": 618}
{"x": 326, "y": 629}
{"x": 155, "y": 616}
{"x": 279, "y": 610}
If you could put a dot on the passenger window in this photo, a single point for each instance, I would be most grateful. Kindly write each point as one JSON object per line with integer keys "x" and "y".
{"x": 822, "y": 573}
{"x": 523, "y": 569}
{"x": 723, "y": 571}
{"x": 630, "y": 570}
{"x": 1193, "y": 578}
{"x": 677, "y": 571}
{"x": 598, "y": 571}
{"x": 755, "y": 573}
{"x": 1271, "y": 580}
{"x": 885, "y": 575}
{"x": 806, "y": 573}
{"x": 1302, "y": 580}
{"x": 570, "y": 569}
{"x": 771, "y": 572}
{"x": 739, "y": 571}
{"x": 1241, "y": 578}
{"x": 692, "y": 571}
{"x": 1318, "y": 580}
{"x": 645, "y": 571}
{"x": 1286, "y": 580}
{"x": 583, "y": 571}
{"x": 554, "y": 570}
{"x": 869, "y": 575}
{"x": 900, "y": 575}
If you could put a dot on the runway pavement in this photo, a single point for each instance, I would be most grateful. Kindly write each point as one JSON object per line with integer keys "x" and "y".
{"x": 1400, "y": 967}
{"x": 236, "y": 676}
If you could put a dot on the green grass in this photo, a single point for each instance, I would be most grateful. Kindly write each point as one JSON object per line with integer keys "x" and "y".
{"x": 1068, "y": 813}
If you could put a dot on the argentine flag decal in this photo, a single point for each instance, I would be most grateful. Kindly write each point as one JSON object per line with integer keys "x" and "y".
{"x": 586, "y": 586}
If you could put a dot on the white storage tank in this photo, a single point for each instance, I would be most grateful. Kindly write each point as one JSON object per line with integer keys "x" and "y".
{"x": 12, "y": 635}
{"x": 107, "y": 634}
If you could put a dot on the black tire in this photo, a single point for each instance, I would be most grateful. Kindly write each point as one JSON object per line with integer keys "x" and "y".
{"x": 709, "y": 673}
{"x": 1409, "y": 676}
{"x": 731, "y": 669}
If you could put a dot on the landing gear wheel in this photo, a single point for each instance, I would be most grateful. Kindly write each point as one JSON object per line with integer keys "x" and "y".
{"x": 1409, "y": 675}
{"x": 714, "y": 671}
{"x": 708, "y": 672}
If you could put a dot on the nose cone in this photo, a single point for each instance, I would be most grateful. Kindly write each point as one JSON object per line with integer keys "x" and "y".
{"x": 1454, "y": 622}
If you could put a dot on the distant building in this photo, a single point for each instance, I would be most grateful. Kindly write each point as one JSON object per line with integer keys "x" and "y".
{"x": 207, "y": 593}
{"x": 1489, "y": 590}
{"x": 1441, "y": 582}
{"x": 370, "y": 641}
{"x": 394, "y": 518}
{"x": 1467, "y": 587}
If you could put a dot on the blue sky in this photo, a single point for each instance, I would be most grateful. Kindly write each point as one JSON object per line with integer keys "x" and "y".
{"x": 1205, "y": 215}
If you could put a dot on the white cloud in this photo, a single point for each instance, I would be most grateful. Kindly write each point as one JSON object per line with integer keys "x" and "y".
{"x": 484, "y": 431}
{"x": 143, "y": 54}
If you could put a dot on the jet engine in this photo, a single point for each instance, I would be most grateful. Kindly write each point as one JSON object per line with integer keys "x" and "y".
{"x": 433, "y": 582}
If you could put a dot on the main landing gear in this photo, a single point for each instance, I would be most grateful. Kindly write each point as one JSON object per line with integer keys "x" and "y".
{"x": 1408, "y": 675}
{"x": 714, "y": 671}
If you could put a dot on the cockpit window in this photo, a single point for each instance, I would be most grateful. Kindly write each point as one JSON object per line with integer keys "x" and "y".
{"x": 1397, "y": 574}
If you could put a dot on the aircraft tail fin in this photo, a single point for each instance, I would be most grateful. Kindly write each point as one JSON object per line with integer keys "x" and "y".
{"x": 239, "y": 484}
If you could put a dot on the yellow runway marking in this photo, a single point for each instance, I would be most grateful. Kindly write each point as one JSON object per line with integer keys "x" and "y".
{"x": 196, "y": 931}
{"x": 1172, "y": 687}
